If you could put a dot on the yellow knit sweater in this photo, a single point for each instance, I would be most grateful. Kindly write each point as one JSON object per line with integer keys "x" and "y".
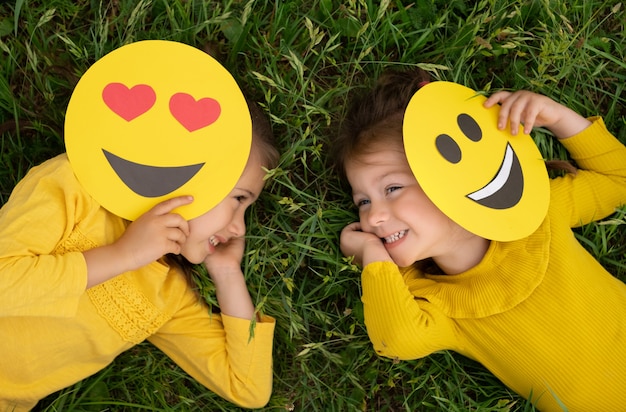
{"x": 53, "y": 333}
{"x": 541, "y": 313}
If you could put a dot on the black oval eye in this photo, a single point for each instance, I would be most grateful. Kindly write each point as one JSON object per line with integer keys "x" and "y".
{"x": 469, "y": 127}
{"x": 448, "y": 148}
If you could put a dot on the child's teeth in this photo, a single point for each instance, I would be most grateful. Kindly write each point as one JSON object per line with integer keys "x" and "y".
{"x": 396, "y": 236}
{"x": 213, "y": 241}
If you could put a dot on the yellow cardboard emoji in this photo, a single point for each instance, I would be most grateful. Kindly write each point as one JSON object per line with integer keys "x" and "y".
{"x": 488, "y": 181}
{"x": 153, "y": 120}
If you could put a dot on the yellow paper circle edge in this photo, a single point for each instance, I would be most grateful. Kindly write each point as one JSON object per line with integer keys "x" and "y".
{"x": 432, "y": 111}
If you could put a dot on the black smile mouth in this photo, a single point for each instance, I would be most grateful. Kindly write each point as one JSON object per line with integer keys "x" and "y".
{"x": 505, "y": 189}
{"x": 151, "y": 181}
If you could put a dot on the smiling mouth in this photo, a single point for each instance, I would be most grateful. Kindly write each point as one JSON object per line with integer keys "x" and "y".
{"x": 395, "y": 237}
{"x": 151, "y": 181}
{"x": 506, "y": 188}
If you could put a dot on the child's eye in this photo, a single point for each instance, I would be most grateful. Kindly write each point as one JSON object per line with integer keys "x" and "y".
{"x": 392, "y": 188}
{"x": 362, "y": 202}
{"x": 241, "y": 199}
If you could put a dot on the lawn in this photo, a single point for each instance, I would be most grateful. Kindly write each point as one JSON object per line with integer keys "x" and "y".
{"x": 302, "y": 60}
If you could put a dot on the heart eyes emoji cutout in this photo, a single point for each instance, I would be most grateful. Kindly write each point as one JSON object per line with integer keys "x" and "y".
{"x": 130, "y": 103}
{"x": 192, "y": 114}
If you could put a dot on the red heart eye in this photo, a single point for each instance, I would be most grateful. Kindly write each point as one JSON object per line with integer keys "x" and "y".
{"x": 128, "y": 103}
{"x": 192, "y": 114}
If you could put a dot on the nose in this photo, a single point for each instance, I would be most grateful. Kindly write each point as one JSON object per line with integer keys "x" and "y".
{"x": 378, "y": 214}
{"x": 237, "y": 226}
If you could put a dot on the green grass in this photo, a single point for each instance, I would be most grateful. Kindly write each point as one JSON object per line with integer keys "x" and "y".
{"x": 303, "y": 59}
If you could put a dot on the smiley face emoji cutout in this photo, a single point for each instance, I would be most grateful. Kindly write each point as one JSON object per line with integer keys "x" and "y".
{"x": 488, "y": 181}
{"x": 153, "y": 120}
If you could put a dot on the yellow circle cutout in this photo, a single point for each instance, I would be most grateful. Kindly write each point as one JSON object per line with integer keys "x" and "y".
{"x": 153, "y": 120}
{"x": 488, "y": 181}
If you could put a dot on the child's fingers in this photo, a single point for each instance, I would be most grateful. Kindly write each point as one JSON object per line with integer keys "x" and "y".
{"x": 169, "y": 205}
{"x": 514, "y": 109}
{"x": 177, "y": 238}
{"x": 506, "y": 100}
{"x": 525, "y": 111}
{"x": 178, "y": 223}
{"x": 163, "y": 211}
{"x": 530, "y": 117}
{"x": 514, "y": 113}
{"x": 496, "y": 98}
{"x": 352, "y": 227}
{"x": 172, "y": 234}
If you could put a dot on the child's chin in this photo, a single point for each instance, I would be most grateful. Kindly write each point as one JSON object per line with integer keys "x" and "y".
{"x": 196, "y": 260}
{"x": 403, "y": 263}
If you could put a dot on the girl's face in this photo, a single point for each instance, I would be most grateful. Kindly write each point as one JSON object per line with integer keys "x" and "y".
{"x": 393, "y": 206}
{"x": 226, "y": 220}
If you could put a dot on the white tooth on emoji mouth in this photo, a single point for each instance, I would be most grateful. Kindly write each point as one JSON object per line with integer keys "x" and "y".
{"x": 213, "y": 241}
{"x": 499, "y": 181}
{"x": 395, "y": 237}
{"x": 505, "y": 190}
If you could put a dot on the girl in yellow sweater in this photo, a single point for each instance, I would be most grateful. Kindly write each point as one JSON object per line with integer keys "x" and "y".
{"x": 79, "y": 284}
{"x": 539, "y": 312}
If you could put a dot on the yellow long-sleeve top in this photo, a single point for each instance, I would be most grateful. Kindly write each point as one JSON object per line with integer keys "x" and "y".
{"x": 54, "y": 333}
{"x": 540, "y": 313}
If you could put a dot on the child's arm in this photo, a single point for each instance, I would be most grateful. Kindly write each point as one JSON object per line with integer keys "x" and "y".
{"x": 600, "y": 185}
{"x": 224, "y": 267}
{"x": 153, "y": 235}
{"x": 42, "y": 269}
{"x": 535, "y": 110}
{"x": 399, "y": 323}
{"x": 224, "y": 352}
{"x": 45, "y": 227}
{"x": 365, "y": 247}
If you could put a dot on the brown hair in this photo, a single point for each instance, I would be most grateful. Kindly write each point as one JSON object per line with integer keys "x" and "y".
{"x": 262, "y": 136}
{"x": 263, "y": 143}
{"x": 376, "y": 116}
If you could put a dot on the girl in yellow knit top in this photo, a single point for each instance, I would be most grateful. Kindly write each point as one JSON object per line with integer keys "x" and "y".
{"x": 79, "y": 284}
{"x": 539, "y": 312}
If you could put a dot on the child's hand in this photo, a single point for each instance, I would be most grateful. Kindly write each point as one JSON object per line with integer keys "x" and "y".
{"x": 154, "y": 234}
{"x": 365, "y": 247}
{"x": 535, "y": 110}
{"x": 224, "y": 267}
{"x": 226, "y": 258}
